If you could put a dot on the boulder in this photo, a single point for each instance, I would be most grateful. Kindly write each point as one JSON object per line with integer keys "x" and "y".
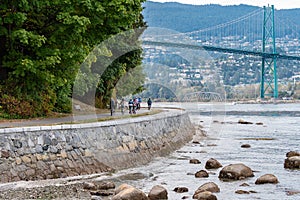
{"x": 195, "y": 161}
{"x": 4, "y": 154}
{"x": 89, "y": 186}
{"x": 292, "y": 153}
{"x": 244, "y": 185}
{"x": 206, "y": 195}
{"x": 95, "y": 198}
{"x": 122, "y": 187}
{"x": 292, "y": 162}
{"x": 244, "y": 122}
{"x": 101, "y": 193}
{"x": 127, "y": 192}
{"x": 201, "y": 174}
{"x": 105, "y": 185}
{"x": 245, "y": 145}
{"x": 267, "y": 178}
{"x": 158, "y": 192}
{"x": 236, "y": 172}
{"x": 212, "y": 164}
{"x": 181, "y": 189}
{"x": 242, "y": 192}
{"x": 210, "y": 186}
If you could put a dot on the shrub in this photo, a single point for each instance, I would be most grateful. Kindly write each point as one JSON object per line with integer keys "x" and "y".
{"x": 16, "y": 108}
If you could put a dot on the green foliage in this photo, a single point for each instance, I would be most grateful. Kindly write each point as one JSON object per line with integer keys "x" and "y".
{"x": 43, "y": 43}
{"x": 110, "y": 61}
{"x": 131, "y": 82}
{"x": 16, "y": 107}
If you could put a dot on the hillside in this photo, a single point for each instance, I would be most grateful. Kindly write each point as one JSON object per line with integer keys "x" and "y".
{"x": 186, "y": 18}
{"x": 230, "y": 69}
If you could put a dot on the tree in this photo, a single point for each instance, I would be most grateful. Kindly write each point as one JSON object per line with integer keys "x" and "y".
{"x": 43, "y": 43}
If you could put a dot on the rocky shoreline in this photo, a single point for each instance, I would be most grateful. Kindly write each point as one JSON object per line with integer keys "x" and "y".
{"x": 107, "y": 186}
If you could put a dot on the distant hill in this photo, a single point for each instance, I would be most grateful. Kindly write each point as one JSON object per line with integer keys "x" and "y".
{"x": 234, "y": 69}
{"x": 186, "y": 18}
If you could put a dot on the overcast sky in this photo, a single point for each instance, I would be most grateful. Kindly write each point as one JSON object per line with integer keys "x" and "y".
{"x": 279, "y": 4}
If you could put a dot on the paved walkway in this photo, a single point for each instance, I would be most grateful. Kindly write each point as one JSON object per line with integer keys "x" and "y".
{"x": 64, "y": 120}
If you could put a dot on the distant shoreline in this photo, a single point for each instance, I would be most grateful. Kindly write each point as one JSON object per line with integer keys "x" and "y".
{"x": 232, "y": 101}
{"x": 270, "y": 101}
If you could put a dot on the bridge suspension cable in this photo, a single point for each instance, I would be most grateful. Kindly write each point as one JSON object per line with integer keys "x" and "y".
{"x": 243, "y": 36}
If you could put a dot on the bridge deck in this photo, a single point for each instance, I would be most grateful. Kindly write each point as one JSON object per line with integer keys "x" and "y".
{"x": 219, "y": 49}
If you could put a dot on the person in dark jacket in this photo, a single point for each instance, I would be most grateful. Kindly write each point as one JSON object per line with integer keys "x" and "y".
{"x": 112, "y": 106}
{"x": 149, "y": 102}
{"x": 130, "y": 106}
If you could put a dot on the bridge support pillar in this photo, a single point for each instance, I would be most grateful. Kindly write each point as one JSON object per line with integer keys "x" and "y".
{"x": 269, "y": 84}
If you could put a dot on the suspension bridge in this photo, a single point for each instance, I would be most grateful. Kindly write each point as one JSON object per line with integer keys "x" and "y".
{"x": 241, "y": 36}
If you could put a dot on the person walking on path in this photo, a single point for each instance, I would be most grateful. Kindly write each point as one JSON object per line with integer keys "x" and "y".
{"x": 149, "y": 102}
{"x": 112, "y": 106}
{"x": 135, "y": 105}
{"x": 130, "y": 106}
{"x": 139, "y": 103}
{"x": 122, "y": 106}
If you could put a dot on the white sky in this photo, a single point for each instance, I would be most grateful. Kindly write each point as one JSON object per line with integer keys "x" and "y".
{"x": 279, "y": 4}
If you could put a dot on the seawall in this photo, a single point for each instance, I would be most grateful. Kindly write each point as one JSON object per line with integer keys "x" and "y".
{"x": 45, "y": 152}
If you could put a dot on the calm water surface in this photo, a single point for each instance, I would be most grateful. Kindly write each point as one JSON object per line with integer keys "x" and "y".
{"x": 279, "y": 134}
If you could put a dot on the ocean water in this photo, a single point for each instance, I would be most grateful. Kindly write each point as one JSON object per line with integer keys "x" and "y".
{"x": 278, "y": 134}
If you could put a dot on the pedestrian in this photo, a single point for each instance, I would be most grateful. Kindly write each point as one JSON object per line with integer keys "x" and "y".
{"x": 112, "y": 106}
{"x": 135, "y": 105}
{"x": 122, "y": 105}
{"x": 149, "y": 102}
{"x": 130, "y": 106}
{"x": 139, "y": 103}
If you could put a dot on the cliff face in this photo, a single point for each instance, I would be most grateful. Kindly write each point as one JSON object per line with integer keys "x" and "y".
{"x": 36, "y": 153}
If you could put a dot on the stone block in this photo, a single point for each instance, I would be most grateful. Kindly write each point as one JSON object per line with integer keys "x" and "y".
{"x": 38, "y": 156}
{"x": 39, "y": 149}
{"x": 4, "y": 178}
{"x": 60, "y": 169}
{"x": 69, "y": 155}
{"x": 64, "y": 164}
{"x": 16, "y": 178}
{"x": 30, "y": 172}
{"x": 132, "y": 145}
{"x": 40, "y": 140}
{"x": 45, "y": 157}
{"x": 22, "y": 175}
{"x": 13, "y": 172}
{"x": 26, "y": 159}
{"x": 52, "y": 157}
{"x": 88, "y": 153}
{"x": 70, "y": 164}
{"x": 4, "y": 153}
{"x": 32, "y": 157}
{"x": 143, "y": 145}
{"x": 53, "y": 149}
{"x": 52, "y": 168}
{"x": 74, "y": 155}
{"x": 41, "y": 165}
{"x": 49, "y": 176}
{"x": 18, "y": 161}
{"x": 58, "y": 163}
{"x": 63, "y": 154}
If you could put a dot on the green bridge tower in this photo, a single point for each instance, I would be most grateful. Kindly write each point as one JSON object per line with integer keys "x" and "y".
{"x": 268, "y": 84}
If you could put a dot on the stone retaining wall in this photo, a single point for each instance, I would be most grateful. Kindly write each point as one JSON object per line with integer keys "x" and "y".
{"x": 45, "y": 152}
